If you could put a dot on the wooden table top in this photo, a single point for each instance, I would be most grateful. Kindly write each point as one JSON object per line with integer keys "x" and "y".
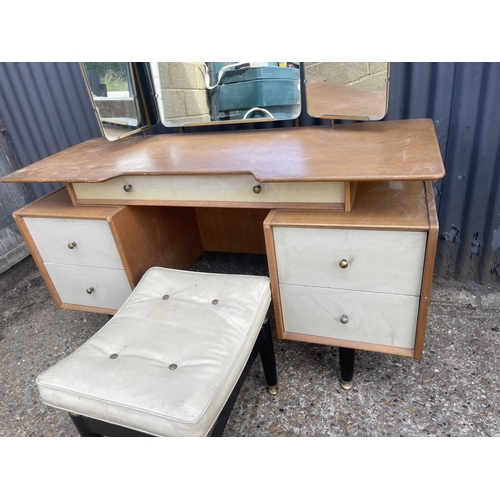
{"x": 389, "y": 150}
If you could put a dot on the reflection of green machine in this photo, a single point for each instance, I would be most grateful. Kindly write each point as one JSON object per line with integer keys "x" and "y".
{"x": 257, "y": 90}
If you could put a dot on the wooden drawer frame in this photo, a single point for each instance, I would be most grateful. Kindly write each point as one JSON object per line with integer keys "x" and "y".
{"x": 408, "y": 206}
{"x": 144, "y": 237}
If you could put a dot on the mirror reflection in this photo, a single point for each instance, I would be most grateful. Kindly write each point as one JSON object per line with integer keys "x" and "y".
{"x": 344, "y": 90}
{"x": 201, "y": 93}
{"x": 112, "y": 89}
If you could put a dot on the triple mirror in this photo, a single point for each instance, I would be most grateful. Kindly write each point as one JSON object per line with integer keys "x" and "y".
{"x": 204, "y": 93}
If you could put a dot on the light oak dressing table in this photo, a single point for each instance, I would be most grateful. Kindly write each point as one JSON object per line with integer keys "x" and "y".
{"x": 345, "y": 214}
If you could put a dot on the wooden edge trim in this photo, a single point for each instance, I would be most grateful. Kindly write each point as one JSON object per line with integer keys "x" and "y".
{"x": 216, "y": 204}
{"x": 273, "y": 273}
{"x": 78, "y": 307}
{"x": 115, "y": 233}
{"x": 363, "y": 346}
{"x": 350, "y": 225}
{"x": 354, "y": 185}
{"x": 347, "y": 196}
{"x": 349, "y": 191}
{"x": 72, "y": 194}
{"x": 35, "y": 254}
{"x": 428, "y": 271}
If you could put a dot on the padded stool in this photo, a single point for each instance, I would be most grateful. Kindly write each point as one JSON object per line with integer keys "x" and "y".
{"x": 171, "y": 361}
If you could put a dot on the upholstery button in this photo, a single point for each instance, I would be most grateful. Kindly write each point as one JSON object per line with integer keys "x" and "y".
{"x": 114, "y": 356}
{"x": 165, "y": 297}
{"x": 215, "y": 302}
{"x": 173, "y": 366}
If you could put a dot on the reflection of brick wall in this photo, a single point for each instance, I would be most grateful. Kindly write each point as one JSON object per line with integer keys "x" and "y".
{"x": 185, "y": 98}
{"x": 367, "y": 75}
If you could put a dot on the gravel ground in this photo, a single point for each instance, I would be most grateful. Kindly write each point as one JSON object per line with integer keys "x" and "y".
{"x": 453, "y": 391}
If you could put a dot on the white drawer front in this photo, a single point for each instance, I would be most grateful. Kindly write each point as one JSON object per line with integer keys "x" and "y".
{"x": 377, "y": 318}
{"x": 210, "y": 188}
{"x": 95, "y": 245}
{"x": 379, "y": 261}
{"x": 110, "y": 286}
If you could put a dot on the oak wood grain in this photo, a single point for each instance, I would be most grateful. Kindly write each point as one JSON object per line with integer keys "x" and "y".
{"x": 401, "y": 150}
{"x": 236, "y": 230}
{"x": 389, "y": 205}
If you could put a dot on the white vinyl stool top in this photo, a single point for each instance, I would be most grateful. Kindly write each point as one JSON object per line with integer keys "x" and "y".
{"x": 168, "y": 360}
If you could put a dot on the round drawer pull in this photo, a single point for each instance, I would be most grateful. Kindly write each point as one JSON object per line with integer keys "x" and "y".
{"x": 72, "y": 245}
{"x": 257, "y": 189}
{"x": 127, "y": 188}
{"x": 343, "y": 263}
{"x": 344, "y": 320}
{"x": 90, "y": 290}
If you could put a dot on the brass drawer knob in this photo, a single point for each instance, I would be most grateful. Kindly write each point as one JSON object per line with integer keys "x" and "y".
{"x": 72, "y": 245}
{"x": 343, "y": 263}
{"x": 127, "y": 188}
{"x": 257, "y": 189}
{"x": 344, "y": 320}
{"x": 90, "y": 290}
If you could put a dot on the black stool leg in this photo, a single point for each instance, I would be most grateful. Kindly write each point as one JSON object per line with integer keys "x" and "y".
{"x": 346, "y": 357}
{"x": 82, "y": 426}
{"x": 268, "y": 359}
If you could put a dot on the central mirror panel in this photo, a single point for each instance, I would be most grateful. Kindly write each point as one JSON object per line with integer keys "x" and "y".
{"x": 204, "y": 93}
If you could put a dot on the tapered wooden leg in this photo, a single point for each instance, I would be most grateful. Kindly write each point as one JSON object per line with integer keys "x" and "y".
{"x": 346, "y": 357}
{"x": 268, "y": 359}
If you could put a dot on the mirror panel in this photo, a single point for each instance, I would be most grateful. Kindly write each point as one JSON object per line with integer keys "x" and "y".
{"x": 204, "y": 93}
{"x": 114, "y": 91}
{"x": 130, "y": 97}
{"x": 347, "y": 91}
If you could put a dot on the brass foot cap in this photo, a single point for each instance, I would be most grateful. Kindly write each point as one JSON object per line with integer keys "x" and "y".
{"x": 272, "y": 389}
{"x": 347, "y": 385}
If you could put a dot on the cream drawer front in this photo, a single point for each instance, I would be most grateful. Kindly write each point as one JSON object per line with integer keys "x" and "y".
{"x": 95, "y": 245}
{"x": 377, "y": 318}
{"x": 379, "y": 261}
{"x": 210, "y": 188}
{"x": 110, "y": 286}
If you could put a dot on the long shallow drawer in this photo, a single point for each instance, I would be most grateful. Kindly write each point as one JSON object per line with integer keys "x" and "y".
{"x": 109, "y": 287}
{"x": 238, "y": 189}
{"x": 80, "y": 242}
{"x": 377, "y": 318}
{"x": 372, "y": 260}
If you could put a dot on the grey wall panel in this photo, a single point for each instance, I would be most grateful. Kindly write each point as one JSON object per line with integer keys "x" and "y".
{"x": 45, "y": 108}
{"x": 469, "y": 211}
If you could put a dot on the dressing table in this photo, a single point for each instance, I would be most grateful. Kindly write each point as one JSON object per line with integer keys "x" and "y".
{"x": 345, "y": 214}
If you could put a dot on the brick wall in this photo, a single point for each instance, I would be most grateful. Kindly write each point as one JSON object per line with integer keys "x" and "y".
{"x": 185, "y": 98}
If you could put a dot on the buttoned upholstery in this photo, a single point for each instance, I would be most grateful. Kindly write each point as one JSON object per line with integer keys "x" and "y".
{"x": 167, "y": 362}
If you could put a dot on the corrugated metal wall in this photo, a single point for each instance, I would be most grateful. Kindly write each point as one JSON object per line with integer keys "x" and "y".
{"x": 45, "y": 109}
{"x": 463, "y": 100}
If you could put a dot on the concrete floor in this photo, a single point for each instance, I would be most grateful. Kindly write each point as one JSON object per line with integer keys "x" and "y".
{"x": 453, "y": 391}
